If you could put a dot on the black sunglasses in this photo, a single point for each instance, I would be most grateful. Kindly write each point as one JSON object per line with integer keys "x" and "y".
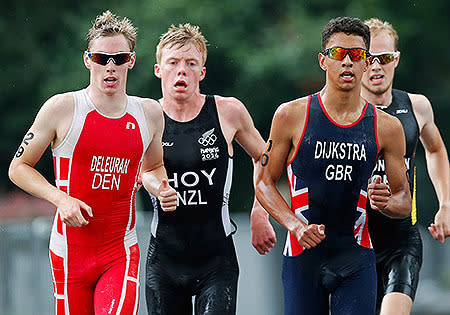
{"x": 118, "y": 58}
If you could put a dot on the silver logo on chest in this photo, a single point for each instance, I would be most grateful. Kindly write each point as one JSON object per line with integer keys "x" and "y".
{"x": 401, "y": 111}
{"x": 208, "y": 138}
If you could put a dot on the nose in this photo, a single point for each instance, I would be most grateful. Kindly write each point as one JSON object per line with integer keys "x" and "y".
{"x": 347, "y": 61}
{"x": 110, "y": 65}
{"x": 181, "y": 69}
{"x": 375, "y": 63}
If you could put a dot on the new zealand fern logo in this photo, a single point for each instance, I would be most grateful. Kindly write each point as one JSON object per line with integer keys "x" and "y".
{"x": 208, "y": 138}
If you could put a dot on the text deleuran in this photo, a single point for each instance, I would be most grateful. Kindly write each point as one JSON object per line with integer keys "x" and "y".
{"x": 108, "y": 170}
{"x": 331, "y": 150}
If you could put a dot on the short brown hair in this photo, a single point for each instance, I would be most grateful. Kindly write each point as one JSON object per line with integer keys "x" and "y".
{"x": 377, "y": 26}
{"x": 181, "y": 35}
{"x": 109, "y": 24}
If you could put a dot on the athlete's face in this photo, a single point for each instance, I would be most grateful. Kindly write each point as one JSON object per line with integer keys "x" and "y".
{"x": 344, "y": 74}
{"x": 378, "y": 79}
{"x": 180, "y": 70}
{"x": 110, "y": 78}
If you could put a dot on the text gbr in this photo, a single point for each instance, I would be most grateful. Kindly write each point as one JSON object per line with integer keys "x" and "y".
{"x": 331, "y": 150}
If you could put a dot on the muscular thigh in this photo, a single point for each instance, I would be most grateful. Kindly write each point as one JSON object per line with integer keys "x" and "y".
{"x": 167, "y": 288}
{"x": 73, "y": 282}
{"x": 303, "y": 293}
{"x": 217, "y": 289}
{"x": 170, "y": 286}
{"x": 401, "y": 274}
{"x": 117, "y": 289}
{"x": 398, "y": 269}
{"x": 356, "y": 294}
{"x": 164, "y": 295}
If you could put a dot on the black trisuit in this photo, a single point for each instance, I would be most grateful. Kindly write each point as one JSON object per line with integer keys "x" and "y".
{"x": 397, "y": 242}
{"x": 191, "y": 251}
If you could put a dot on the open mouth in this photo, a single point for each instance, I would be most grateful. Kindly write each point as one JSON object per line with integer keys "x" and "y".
{"x": 180, "y": 84}
{"x": 110, "y": 80}
{"x": 376, "y": 79}
{"x": 347, "y": 76}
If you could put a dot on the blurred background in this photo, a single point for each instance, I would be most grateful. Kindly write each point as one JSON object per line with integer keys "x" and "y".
{"x": 263, "y": 52}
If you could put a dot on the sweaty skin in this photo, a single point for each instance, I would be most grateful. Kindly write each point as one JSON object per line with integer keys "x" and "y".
{"x": 377, "y": 85}
{"x": 90, "y": 200}
{"x": 287, "y": 128}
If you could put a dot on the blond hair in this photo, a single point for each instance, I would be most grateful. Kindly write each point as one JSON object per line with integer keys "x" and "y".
{"x": 377, "y": 26}
{"x": 182, "y": 35}
{"x": 109, "y": 24}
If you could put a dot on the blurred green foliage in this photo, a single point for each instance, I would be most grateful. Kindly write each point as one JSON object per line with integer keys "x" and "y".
{"x": 264, "y": 52}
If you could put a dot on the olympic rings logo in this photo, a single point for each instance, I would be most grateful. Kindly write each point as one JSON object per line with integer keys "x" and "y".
{"x": 207, "y": 140}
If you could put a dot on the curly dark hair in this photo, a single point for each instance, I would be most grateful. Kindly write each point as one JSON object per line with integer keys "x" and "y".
{"x": 347, "y": 25}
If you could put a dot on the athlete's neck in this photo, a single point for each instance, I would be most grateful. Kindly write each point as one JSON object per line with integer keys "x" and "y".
{"x": 112, "y": 105}
{"x": 184, "y": 109}
{"x": 344, "y": 107}
{"x": 380, "y": 99}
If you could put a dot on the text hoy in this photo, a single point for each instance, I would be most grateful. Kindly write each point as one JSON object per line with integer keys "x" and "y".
{"x": 191, "y": 179}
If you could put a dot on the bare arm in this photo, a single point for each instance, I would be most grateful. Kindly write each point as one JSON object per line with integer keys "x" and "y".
{"x": 235, "y": 117}
{"x": 49, "y": 125}
{"x": 153, "y": 173}
{"x": 437, "y": 164}
{"x": 280, "y": 145}
{"x": 392, "y": 144}
{"x": 263, "y": 234}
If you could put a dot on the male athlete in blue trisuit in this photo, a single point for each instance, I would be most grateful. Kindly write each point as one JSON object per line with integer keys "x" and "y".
{"x": 329, "y": 142}
{"x": 397, "y": 243}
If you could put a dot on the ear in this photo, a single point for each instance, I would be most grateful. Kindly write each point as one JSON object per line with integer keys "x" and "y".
{"x": 86, "y": 60}
{"x": 397, "y": 60}
{"x": 132, "y": 62}
{"x": 202, "y": 73}
{"x": 157, "y": 71}
{"x": 322, "y": 61}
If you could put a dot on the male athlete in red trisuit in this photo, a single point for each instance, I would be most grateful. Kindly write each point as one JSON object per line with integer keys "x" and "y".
{"x": 100, "y": 137}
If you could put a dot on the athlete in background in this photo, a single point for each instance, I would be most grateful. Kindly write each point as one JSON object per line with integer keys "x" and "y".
{"x": 191, "y": 251}
{"x": 100, "y": 137}
{"x": 397, "y": 243}
{"x": 329, "y": 142}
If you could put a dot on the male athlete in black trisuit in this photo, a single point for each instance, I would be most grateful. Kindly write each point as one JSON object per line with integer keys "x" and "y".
{"x": 329, "y": 142}
{"x": 191, "y": 250}
{"x": 397, "y": 243}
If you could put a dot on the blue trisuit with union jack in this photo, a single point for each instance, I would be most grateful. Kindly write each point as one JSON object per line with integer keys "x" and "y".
{"x": 328, "y": 179}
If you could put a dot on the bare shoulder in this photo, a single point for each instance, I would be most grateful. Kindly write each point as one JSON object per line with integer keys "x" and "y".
{"x": 293, "y": 111}
{"x": 59, "y": 103}
{"x": 152, "y": 109}
{"x": 421, "y": 105}
{"x": 289, "y": 121}
{"x": 149, "y": 104}
{"x": 229, "y": 106}
{"x": 388, "y": 127}
{"x": 57, "y": 109}
{"x": 387, "y": 121}
{"x": 233, "y": 114}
